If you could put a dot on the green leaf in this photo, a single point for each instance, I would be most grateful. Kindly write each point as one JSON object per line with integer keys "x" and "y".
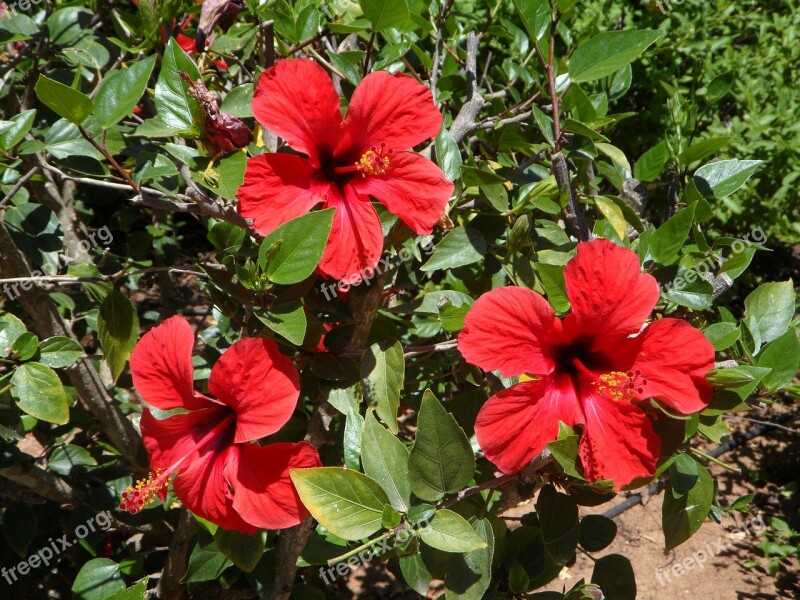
{"x": 242, "y": 549}
{"x": 769, "y": 310}
{"x": 651, "y": 164}
{"x": 292, "y": 252}
{"x": 544, "y": 122}
{"x": 59, "y": 352}
{"x": 720, "y": 86}
{"x": 448, "y": 156}
{"x": 558, "y": 518}
{"x": 722, "y": 178}
{"x": 347, "y": 503}
{"x": 18, "y": 126}
{"x": 535, "y": 15}
{"x": 26, "y": 346}
{"x": 614, "y": 575}
{"x": 120, "y": 91}
{"x": 416, "y": 573}
{"x": 441, "y": 461}
{"x": 40, "y": 393}
{"x": 613, "y": 214}
{"x": 555, "y": 288}
{"x": 287, "y": 319}
{"x": 462, "y": 246}
{"x": 450, "y": 532}
{"x": 118, "y": 330}
{"x": 176, "y": 108}
{"x": 565, "y": 450}
{"x": 722, "y": 335}
{"x": 205, "y": 564}
{"x": 19, "y": 527}
{"x": 11, "y": 328}
{"x": 383, "y": 371}
{"x": 683, "y": 515}
{"x": 230, "y": 171}
{"x": 63, "y": 140}
{"x": 608, "y": 52}
{"x": 385, "y": 459}
{"x": 469, "y": 575}
{"x": 596, "y": 532}
{"x": 385, "y": 14}
{"x": 782, "y": 355}
{"x": 19, "y": 24}
{"x": 66, "y": 102}
{"x": 668, "y": 239}
{"x": 67, "y": 457}
{"x": 703, "y": 149}
{"x": 138, "y": 591}
{"x": 97, "y": 580}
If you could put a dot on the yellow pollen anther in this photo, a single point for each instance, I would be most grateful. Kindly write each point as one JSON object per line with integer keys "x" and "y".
{"x": 138, "y": 496}
{"x": 374, "y": 161}
{"x": 621, "y": 387}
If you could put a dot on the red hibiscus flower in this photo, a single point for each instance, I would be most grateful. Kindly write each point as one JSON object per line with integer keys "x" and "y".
{"x": 591, "y": 368}
{"x": 345, "y": 161}
{"x": 221, "y": 476}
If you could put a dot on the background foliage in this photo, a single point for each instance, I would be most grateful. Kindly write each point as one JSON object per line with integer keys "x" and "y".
{"x": 679, "y": 138}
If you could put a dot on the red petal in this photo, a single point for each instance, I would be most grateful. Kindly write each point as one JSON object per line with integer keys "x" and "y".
{"x": 278, "y": 188}
{"x": 174, "y": 440}
{"x": 296, "y": 100}
{"x": 161, "y": 367}
{"x": 356, "y": 239}
{"x": 516, "y": 424}
{"x": 674, "y": 358}
{"x": 413, "y": 188}
{"x": 259, "y": 383}
{"x": 618, "y": 441}
{"x": 512, "y": 330}
{"x": 263, "y": 492}
{"x": 204, "y": 487}
{"x": 395, "y": 110}
{"x": 609, "y": 294}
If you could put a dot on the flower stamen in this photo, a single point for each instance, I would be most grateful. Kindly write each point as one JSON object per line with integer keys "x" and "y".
{"x": 621, "y": 387}
{"x": 137, "y": 497}
{"x": 374, "y": 161}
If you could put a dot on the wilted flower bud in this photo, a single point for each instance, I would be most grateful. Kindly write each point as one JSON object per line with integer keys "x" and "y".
{"x": 223, "y": 132}
{"x": 216, "y": 12}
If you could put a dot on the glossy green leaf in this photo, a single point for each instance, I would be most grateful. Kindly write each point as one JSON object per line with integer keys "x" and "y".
{"x": 385, "y": 459}
{"x": 292, "y": 252}
{"x": 118, "y": 330}
{"x": 176, "y": 108}
{"x": 120, "y": 92}
{"x": 347, "y": 503}
{"x": 722, "y": 178}
{"x": 614, "y": 575}
{"x": 383, "y": 371}
{"x": 287, "y": 319}
{"x": 609, "y": 51}
{"x": 450, "y": 532}
{"x": 98, "y": 579}
{"x": 59, "y": 352}
{"x": 668, "y": 239}
{"x": 385, "y": 14}
{"x": 769, "y": 310}
{"x": 63, "y": 100}
{"x": 441, "y": 460}
{"x": 40, "y": 393}
{"x": 469, "y": 575}
{"x": 462, "y": 246}
{"x": 682, "y": 516}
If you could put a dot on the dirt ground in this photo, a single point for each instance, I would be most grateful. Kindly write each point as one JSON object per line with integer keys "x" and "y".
{"x": 769, "y": 464}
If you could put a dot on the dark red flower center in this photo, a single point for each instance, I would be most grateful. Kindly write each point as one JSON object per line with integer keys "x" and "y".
{"x": 585, "y": 366}
{"x": 374, "y": 161}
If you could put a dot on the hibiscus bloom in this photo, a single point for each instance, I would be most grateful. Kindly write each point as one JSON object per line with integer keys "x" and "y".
{"x": 591, "y": 370}
{"x": 346, "y": 161}
{"x": 221, "y": 476}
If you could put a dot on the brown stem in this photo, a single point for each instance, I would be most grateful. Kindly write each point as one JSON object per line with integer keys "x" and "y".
{"x": 102, "y": 149}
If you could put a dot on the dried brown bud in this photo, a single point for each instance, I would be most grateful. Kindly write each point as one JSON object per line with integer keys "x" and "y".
{"x": 216, "y": 12}
{"x": 223, "y": 132}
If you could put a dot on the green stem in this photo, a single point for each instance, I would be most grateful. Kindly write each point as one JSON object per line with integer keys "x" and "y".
{"x": 716, "y": 461}
{"x": 355, "y": 551}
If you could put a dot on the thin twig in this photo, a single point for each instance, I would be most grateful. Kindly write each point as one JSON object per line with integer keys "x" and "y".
{"x": 465, "y": 120}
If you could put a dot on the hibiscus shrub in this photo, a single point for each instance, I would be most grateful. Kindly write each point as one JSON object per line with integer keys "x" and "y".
{"x": 291, "y": 287}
